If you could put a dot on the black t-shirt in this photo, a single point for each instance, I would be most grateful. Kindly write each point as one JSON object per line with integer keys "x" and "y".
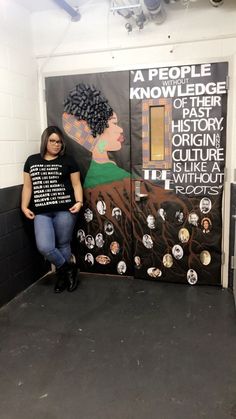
{"x": 52, "y": 188}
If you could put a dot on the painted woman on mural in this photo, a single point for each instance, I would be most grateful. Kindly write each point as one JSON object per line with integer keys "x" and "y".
{"x": 91, "y": 122}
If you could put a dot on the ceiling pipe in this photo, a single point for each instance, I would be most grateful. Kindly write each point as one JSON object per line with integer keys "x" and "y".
{"x": 132, "y": 11}
{"x": 139, "y": 12}
{"x": 153, "y": 6}
{"x": 155, "y": 10}
{"x": 75, "y": 15}
{"x": 216, "y": 3}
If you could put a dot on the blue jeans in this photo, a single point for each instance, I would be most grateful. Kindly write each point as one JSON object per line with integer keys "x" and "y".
{"x": 53, "y": 234}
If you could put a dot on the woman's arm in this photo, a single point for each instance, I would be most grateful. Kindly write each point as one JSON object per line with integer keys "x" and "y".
{"x": 78, "y": 192}
{"x": 26, "y": 196}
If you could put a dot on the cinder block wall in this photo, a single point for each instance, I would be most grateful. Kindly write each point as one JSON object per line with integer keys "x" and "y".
{"x": 20, "y": 264}
{"x": 19, "y": 110}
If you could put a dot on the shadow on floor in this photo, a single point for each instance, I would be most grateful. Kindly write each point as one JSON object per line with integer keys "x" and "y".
{"x": 118, "y": 349}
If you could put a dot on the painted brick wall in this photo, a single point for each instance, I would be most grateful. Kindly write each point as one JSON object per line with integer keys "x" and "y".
{"x": 19, "y": 110}
{"x": 20, "y": 264}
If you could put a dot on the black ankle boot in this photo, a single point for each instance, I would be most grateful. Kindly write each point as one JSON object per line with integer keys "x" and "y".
{"x": 72, "y": 277}
{"x": 61, "y": 282}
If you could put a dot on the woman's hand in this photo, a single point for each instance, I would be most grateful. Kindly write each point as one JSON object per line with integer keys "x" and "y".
{"x": 78, "y": 192}
{"x": 28, "y": 213}
{"x": 76, "y": 207}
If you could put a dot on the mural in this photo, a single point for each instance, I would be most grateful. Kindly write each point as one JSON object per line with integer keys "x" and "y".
{"x": 151, "y": 147}
{"x": 180, "y": 171}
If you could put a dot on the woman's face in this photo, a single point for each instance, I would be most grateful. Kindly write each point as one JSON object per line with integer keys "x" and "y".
{"x": 205, "y": 225}
{"x": 137, "y": 260}
{"x": 112, "y": 137}
{"x": 54, "y": 145}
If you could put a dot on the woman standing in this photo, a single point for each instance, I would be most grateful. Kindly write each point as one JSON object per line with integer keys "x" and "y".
{"x": 52, "y": 196}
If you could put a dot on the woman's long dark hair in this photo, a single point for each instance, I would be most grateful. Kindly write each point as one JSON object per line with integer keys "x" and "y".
{"x": 45, "y": 136}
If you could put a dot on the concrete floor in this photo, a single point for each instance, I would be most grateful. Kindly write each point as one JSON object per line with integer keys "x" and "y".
{"x": 118, "y": 349}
